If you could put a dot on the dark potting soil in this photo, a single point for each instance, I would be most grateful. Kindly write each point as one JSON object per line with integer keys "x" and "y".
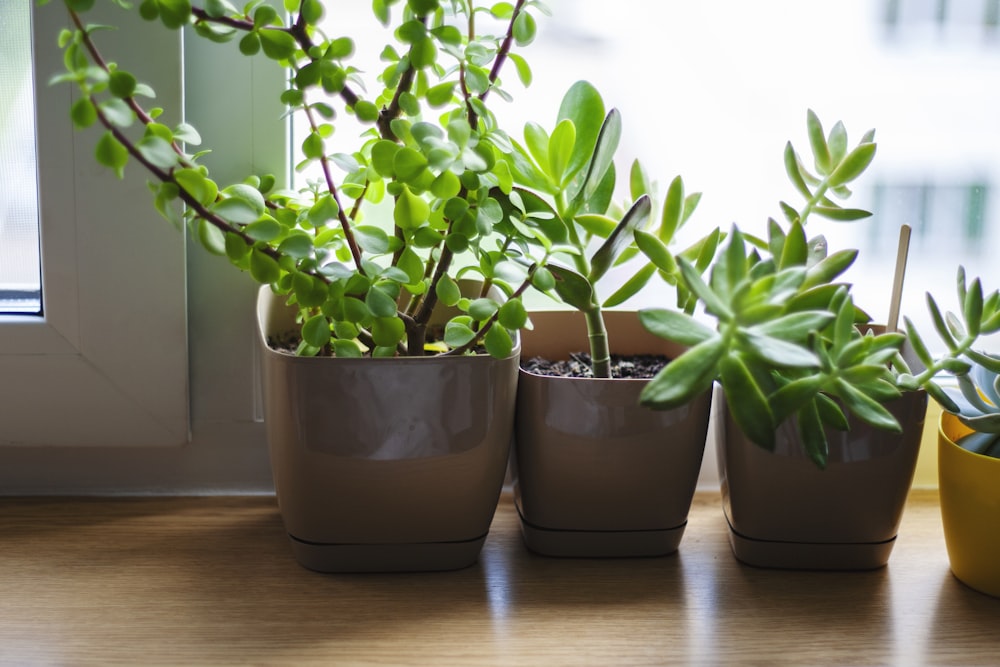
{"x": 640, "y": 366}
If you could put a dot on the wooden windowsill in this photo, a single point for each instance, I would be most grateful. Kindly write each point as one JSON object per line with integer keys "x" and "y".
{"x": 209, "y": 581}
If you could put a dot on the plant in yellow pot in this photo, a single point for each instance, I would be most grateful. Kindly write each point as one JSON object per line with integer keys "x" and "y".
{"x": 969, "y": 477}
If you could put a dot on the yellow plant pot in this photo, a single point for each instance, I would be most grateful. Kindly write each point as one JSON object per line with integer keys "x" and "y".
{"x": 970, "y": 509}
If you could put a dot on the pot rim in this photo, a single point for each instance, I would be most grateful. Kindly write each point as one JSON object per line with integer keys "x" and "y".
{"x": 950, "y": 429}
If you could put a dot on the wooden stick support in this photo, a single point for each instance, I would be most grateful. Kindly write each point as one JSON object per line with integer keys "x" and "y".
{"x": 897, "y": 282}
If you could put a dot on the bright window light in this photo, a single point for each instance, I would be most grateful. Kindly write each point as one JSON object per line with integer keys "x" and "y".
{"x": 20, "y": 274}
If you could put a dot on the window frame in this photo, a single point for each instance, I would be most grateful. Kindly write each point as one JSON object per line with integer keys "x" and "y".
{"x": 166, "y": 399}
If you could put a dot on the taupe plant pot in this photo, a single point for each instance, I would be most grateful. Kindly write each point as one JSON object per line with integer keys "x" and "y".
{"x": 385, "y": 464}
{"x": 785, "y": 512}
{"x": 596, "y": 474}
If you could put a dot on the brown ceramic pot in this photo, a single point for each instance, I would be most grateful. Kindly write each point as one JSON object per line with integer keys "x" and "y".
{"x": 596, "y": 474}
{"x": 785, "y": 512}
{"x": 385, "y": 464}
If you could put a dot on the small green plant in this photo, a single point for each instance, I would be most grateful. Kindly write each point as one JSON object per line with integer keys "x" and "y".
{"x": 433, "y": 146}
{"x": 976, "y": 399}
{"x": 788, "y": 340}
{"x": 572, "y": 167}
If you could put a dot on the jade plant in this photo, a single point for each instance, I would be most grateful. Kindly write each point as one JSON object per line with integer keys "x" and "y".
{"x": 568, "y": 174}
{"x": 788, "y": 340}
{"x": 432, "y": 144}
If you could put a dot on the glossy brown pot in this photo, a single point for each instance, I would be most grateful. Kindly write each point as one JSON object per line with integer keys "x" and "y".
{"x": 596, "y": 474}
{"x": 785, "y": 512}
{"x": 385, "y": 464}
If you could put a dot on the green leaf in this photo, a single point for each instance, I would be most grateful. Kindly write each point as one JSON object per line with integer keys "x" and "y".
{"x": 841, "y": 214}
{"x": 867, "y": 409}
{"x": 157, "y": 151}
{"x": 411, "y": 210}
{"x": 388, "y": 331}
{"x": 821, "y": 152}
{"x": 656, "y": 251}
{"x": 111, "y": 153}
{"x": 316, "y": 331}
{"x": 792, "y": 396}
{"x": 972, "y": 308}
{"x": 379, "y": 303}
{"x": 776, "y": 351}
{"x": 694, "y": 281}
{"x": 372, "y": 239}
{"x": 447, "y": 291}
{"x": 513, "y": 315}
{"x": 264, "y": 268}
{"x": 277, "y": 44}
{"x": 457, "y": 334}
{"x": 211, "y": 237}
{"x": 829, "y": 268}
{"x": 524, "y": 28}
{"x": 601, "y": 164}
{"x": 747, "y": 402}
{"x": 346, "y": 349}
{"x": 673, "y": 210}
{"x": 582, "y": 104}
{"x": 83, "y": 113}
{"x": 796, "y": 249}
{"x": 560, "y": 150}
{"x": 794, "y": 173}
{"x": 174, "y": 13}
{"x": 597, "y": 225}
{"x": 813, "y": 435}
{"x": 795, "y": 326}
{"x": 250, "y": 44}
{"x": 482, "y": 309}
{"x": 631, "y": 287}
{"x": 498, "y": 342}
{"x": 121, "y": 84}
{"x": 264, "y": 229}
{"x": 674, "y": 326}
{"x": 605, "y": 256}
{"x": 572, "y": 288}
{"x": 408, "y": 164}
{"x": 853, "y": 165}
{"x": 686, "y": 377}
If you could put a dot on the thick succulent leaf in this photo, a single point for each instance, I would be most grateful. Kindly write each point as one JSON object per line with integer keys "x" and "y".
{"x": 674, "y": 326}
{"x": 817, "y": 140}
{"x": 813, "y": 435}
{"x": 605, "y": 256}
{"x": 866, "y": 409}
{"x": 602, "y": 159}
{"x": 686, "y": 377}
{"x": 582, "y": 104}
{"x": 631, "y": 287}
{"x": 777, "y": 352}
{"x": 747, "y": 402}
{"x": 853, "y": 165}
{"x": 981, "y": 443}
{"x": 695, "y": 283}
{"x": 573, "y": 288}
{"x": 792, "y": 396}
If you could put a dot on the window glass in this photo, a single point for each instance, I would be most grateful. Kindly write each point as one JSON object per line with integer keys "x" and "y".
{"x": 19, "y": 257}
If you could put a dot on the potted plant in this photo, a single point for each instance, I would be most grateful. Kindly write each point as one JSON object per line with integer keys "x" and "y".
{"x": 969, "y": 445}
{"x": 389, "y": 386}
{"x": 595, "y": 473}
{"x": 820, "y": 417}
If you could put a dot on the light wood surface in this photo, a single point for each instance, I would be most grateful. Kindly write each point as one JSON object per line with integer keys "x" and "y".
{"x": 205, "y": 581}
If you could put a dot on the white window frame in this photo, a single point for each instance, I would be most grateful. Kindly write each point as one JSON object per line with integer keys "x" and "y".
{"x": 72, "y": 375}
{"x": 140, "y": 377}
